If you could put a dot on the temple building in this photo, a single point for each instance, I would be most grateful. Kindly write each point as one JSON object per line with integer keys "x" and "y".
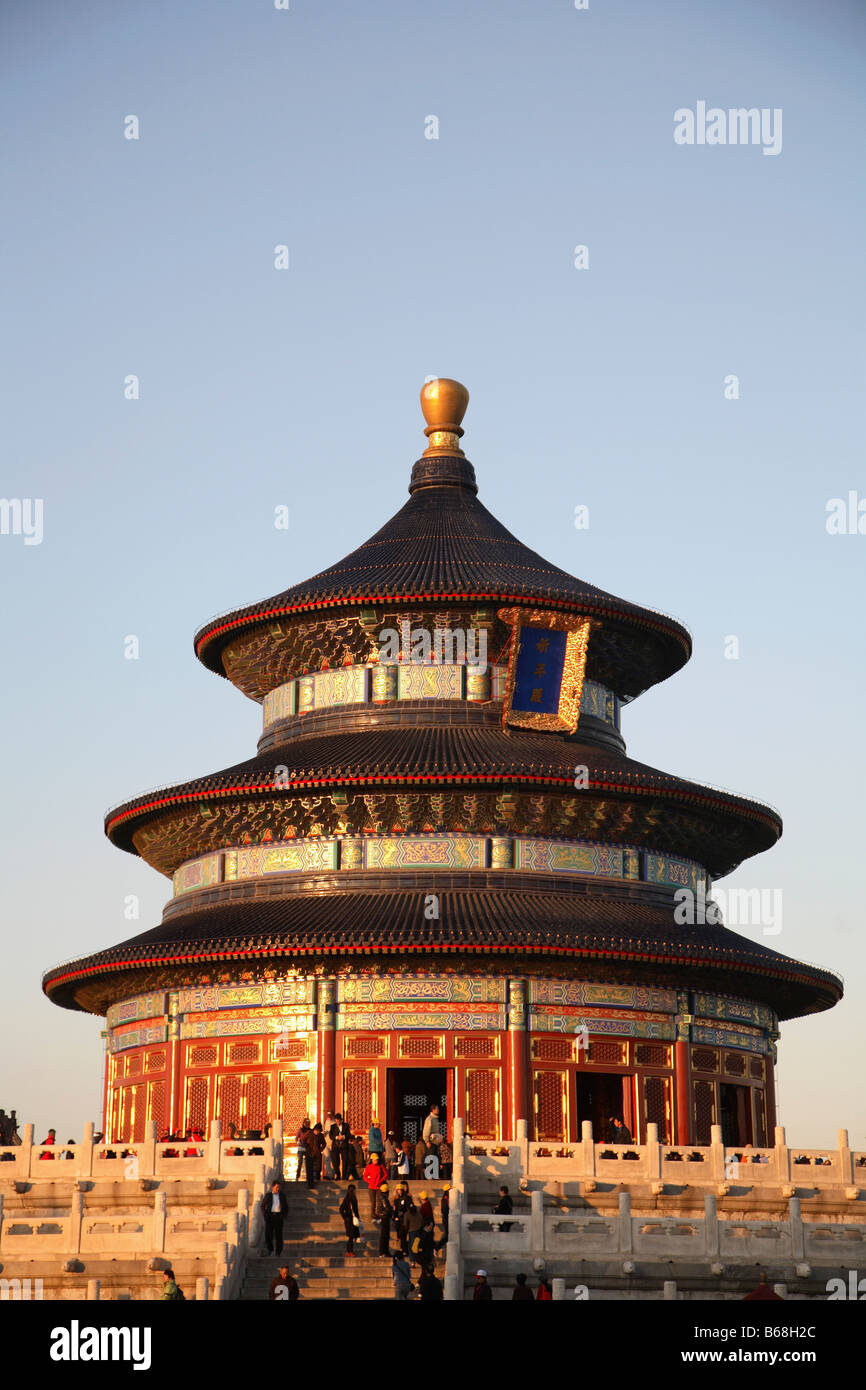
{"x": 441, "y": 877}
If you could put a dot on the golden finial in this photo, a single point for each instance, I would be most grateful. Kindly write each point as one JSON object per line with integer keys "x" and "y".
{"x": 444, "y": 403}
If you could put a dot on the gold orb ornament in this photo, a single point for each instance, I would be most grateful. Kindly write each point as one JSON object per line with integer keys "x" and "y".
{"x": 444, "y": 403}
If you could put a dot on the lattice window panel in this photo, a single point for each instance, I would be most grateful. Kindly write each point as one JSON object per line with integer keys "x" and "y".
{"x": 230, "y": 1102}
{"x": 658, "y": 1109}
{"x": 244, "y": 1052}
{"x": 156, "y": 1106}
{"x": 202, "y": 1056}
{"x": 139, "y": 1116}
{"x": 602, "y": 1050}
{"x": 293, "y": 1100}
{"x": 365, "y": 1047}
{"x": 290, "y": 1050}
{"x": 756, "y": 1068}
{"x": 156, "y": 1060}
{"x": 553, "y": 1049}
{"x": 258, "y": 1100}
{"x": 482, "y": 1104}
{"x": 358, "y": 1099}
{"x": 705, "y": 1059}
{"x": 421, "y": 1046}
{"x": 124, "y": 1128}
{"x": 133, "y": 1064}
{"x": 550, "y": 1104}
{"x": 652, "y": 1055}
{"x": 471, "y": 1045}
{"x": 705, "y": 1110}
{"x": 197, "y": 1089}
{"x": 735, "y": 1064}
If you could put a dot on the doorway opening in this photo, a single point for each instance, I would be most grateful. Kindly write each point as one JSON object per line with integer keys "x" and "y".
{"x": 600, "y": 1096}
{"x": 735, "y": 1114}
{"x": 411, "y": 1092}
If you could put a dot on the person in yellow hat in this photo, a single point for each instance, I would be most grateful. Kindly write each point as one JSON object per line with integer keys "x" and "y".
{"x": 426, "y": 1208}
{"x": 375, "y": 1142}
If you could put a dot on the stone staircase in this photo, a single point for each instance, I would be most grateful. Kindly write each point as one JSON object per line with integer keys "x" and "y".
{"x": 314, "y": 1247}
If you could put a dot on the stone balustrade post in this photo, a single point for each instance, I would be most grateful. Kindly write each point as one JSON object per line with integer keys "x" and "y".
{"x": 158, "y": 1237}
{"x": 653, "y": 1153}
{"x": 536, "y": 1222}
{"x": 214, "y": 1146}
{"x": 670, "y": 1289}
{"x": 1, "y": 1221}
{"x": 624, "y": 1239}
{"x": 588, "y": 1146}
{"x": 781, "y": 1290}
{"x": 278, "y": 1136}
{"x": 783, "y": 1156}
{"x": 451, "y": 1291}
{"x": 717, "y": 1153}
{"x": 846, "y": 1161}
{"x": 85, "y": 1152}
{"x": 93, "y": 1294}
{"x": 76, "y": 1215}
{"x": 558, "y": 1289}
{"x": 219, "y": 1290}
{"x": 522, "y": 1137}
{"x": 798, "y": 1235}
{"x": 459, "y": 1147}
{"x": 244, "y": 1212}
{"x": 147, "y": 1152}
{"x": 201, "y": 1289}
{"x": 26, "y": 1151}
{"x": 711, "y": 1224}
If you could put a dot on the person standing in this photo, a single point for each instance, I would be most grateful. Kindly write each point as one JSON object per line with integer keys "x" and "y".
{"x": 482, "y": 1292}
{"x": 522, "y": 1292}
{"x": 429, "y": 1287}
{"x": 403, "y": 1206}
{"x": 446, "y": 1158}
{"x": 504, "y": 1207}
{"x": 619, "y": 1133}
{"x": 430, "y": 1133}
{"x": 374, "y": 1177}
{"x": 444, "y": 1213}
{"x": 404, "y": 1160}
{"x": 391, "y": 1154}
{"x": 311, "y": 1154}
{"x": 171, "y": 1292}
{"x": 422, "y": 1148}
{"x": 284, "y": 1289}
{"x": 275, "y": 1209}
{"x": 545, "y": 1292}
{"x": 351, "y": 1219}
{"x": 318, "y": 1152}
{"x": 385, "y": 1215}
{"x": 402, "y": 1276}
{"x": 356, "y": 1161}
{"x": 426, "y": 1209}
{"x": 301, "y": 1142}
{"x": 375, "y": 1144}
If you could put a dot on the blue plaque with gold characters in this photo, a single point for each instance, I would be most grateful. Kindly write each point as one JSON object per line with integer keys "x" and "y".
{"x": 545, "y": 669}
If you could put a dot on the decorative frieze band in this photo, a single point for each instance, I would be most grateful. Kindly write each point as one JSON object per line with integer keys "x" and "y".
{"x": 383, "y": 1003}
{"x": 447, "y": 851}
{"x": 378, "y": 684}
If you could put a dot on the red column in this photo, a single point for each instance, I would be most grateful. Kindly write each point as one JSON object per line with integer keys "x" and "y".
{"x": 770, "y": 1098}
{"x": 518, "y": 1068}
{"x": 683, "y": 1083}
{"x": 326, "y": 1021}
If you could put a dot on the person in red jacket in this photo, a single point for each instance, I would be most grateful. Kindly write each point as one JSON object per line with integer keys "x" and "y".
{"x": 545, "y": 1292}
{"x": 51, "y": 1139}
{"x": 374, "y": 1175}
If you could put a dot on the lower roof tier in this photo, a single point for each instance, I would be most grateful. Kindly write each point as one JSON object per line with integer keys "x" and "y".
{"x": 628, "y": 930}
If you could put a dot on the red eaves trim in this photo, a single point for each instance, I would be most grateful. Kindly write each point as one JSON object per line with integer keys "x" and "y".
{"x": 474, "y": 948}
{"x": 572, "y": 605}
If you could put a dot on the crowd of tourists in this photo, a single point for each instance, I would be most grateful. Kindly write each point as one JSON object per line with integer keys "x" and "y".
{"x": 330, "y": 1152}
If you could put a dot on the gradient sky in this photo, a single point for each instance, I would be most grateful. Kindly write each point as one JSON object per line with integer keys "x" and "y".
{"x": 411, "y": 257}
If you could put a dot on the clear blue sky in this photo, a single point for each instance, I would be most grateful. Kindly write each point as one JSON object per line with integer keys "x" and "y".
{"x": 411, "y": 257}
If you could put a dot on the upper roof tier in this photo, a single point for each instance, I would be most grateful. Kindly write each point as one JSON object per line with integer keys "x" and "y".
{"x": 445, "y": 546}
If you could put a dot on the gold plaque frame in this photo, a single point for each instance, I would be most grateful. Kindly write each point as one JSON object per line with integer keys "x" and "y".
{"x": 574, "y": 666}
